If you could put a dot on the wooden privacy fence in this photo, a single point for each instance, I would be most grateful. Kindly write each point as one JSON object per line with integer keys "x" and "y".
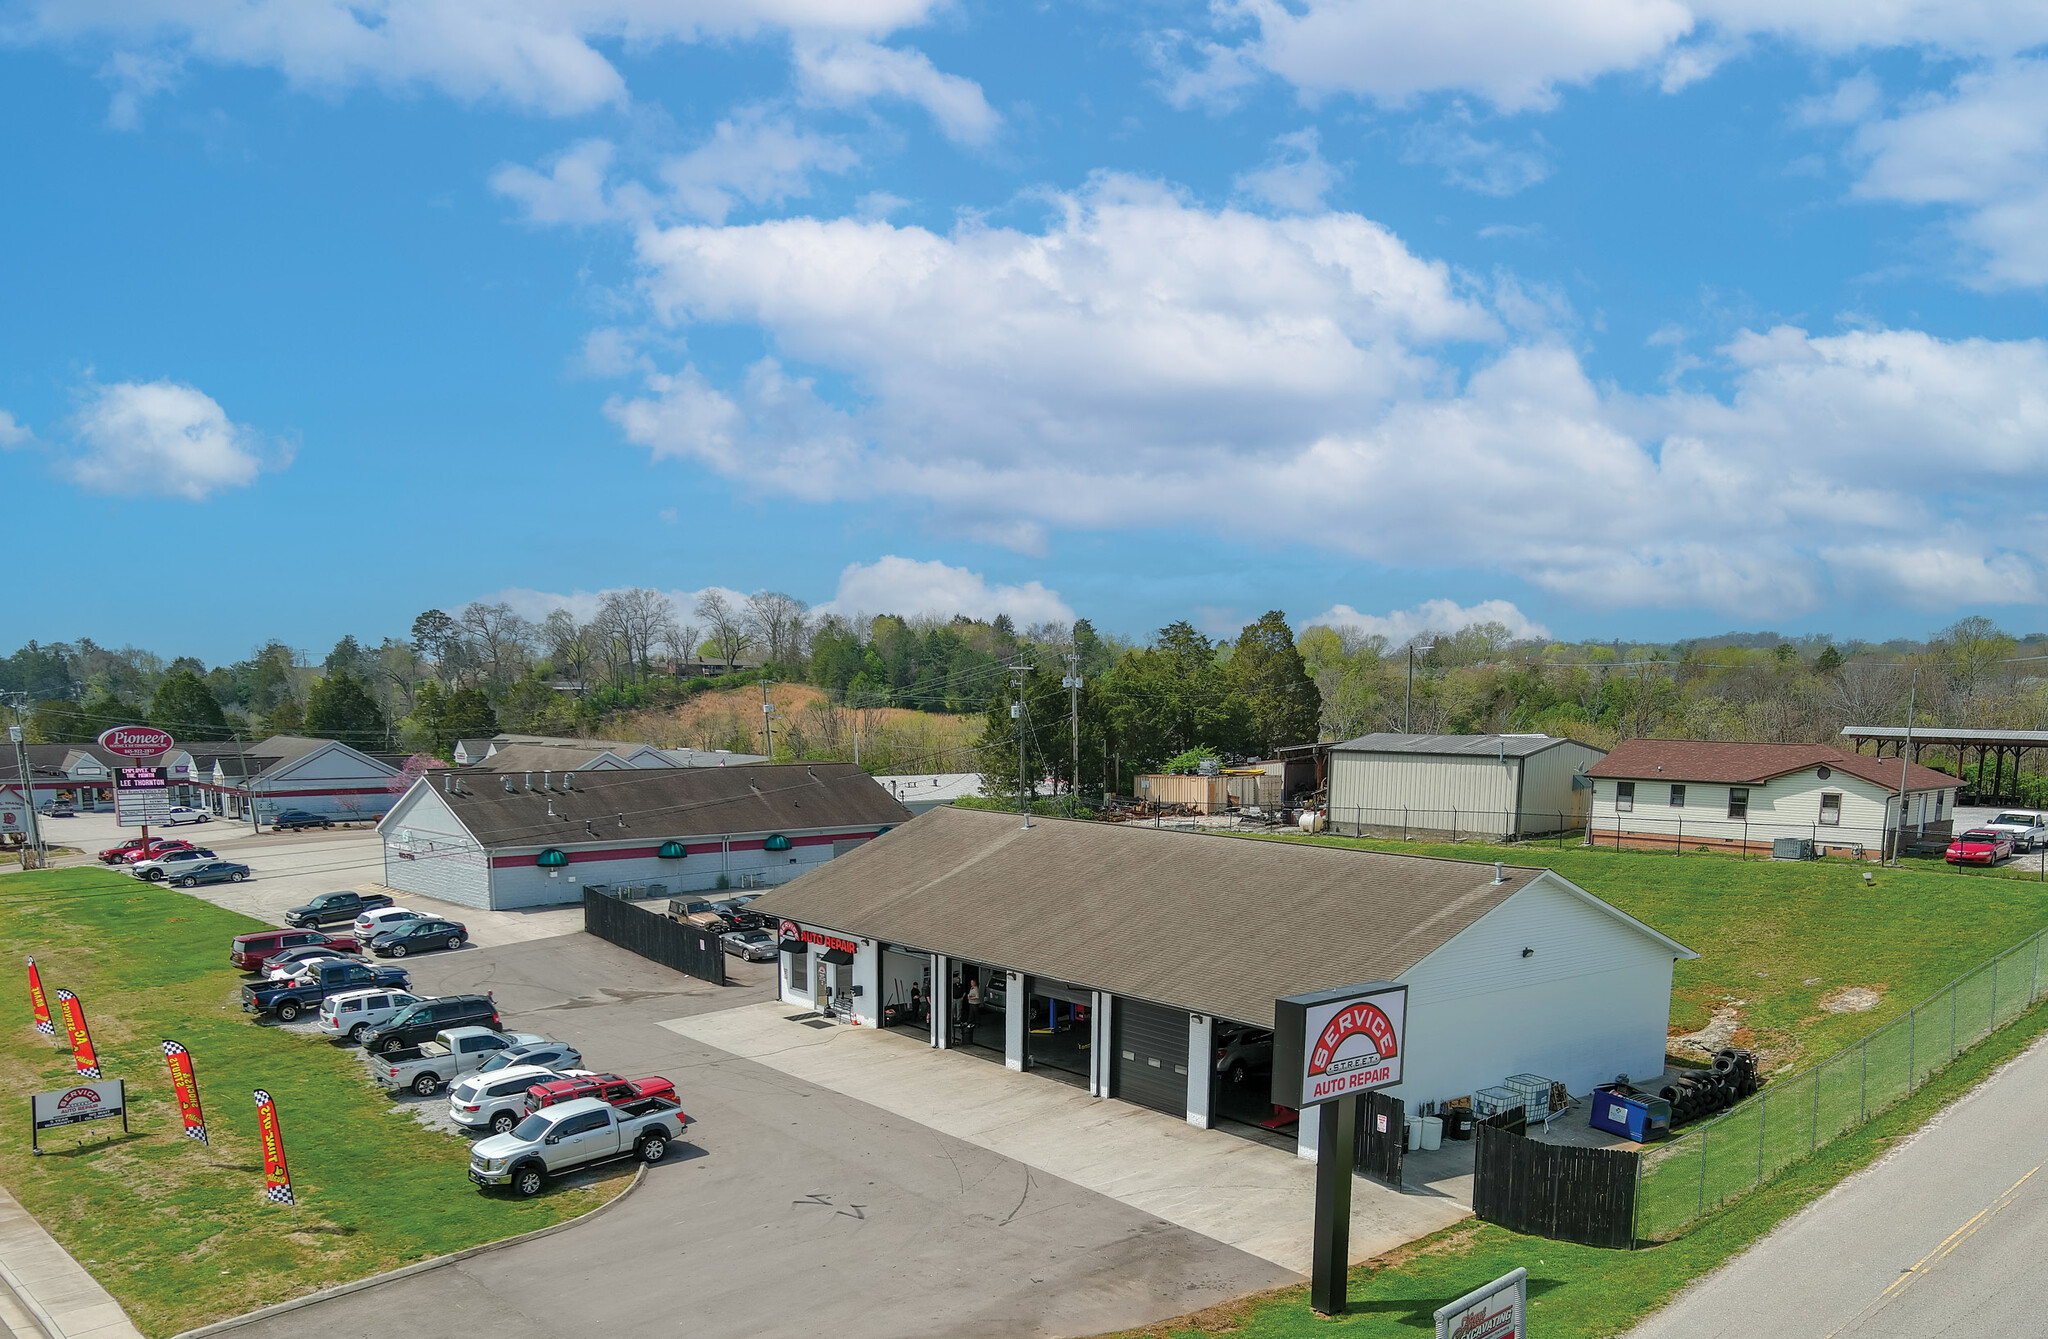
{"x": 686, "y": 948}
{"x": 1381, "y": 1144}
{"x": 1585, "y": 1195}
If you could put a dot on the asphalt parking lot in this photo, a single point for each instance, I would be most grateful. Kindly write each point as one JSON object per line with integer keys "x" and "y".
{"x": 787, "y": 1209}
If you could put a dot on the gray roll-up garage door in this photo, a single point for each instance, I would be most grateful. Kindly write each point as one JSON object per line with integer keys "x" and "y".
{"x": 1150, "y": 1065}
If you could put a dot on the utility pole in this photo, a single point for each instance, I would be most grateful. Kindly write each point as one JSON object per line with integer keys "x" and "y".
{"x": 1905, "y": 761}
{"x": 1024, "y": 786}
{"x": 1072, "y": 683}
{"x": 768, "y": 718}
{"x": 28, "y": 784}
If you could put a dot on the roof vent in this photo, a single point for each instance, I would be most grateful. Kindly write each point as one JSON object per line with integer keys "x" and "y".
{"x": 1500, "y": 871}
{"x": 622, "y": 819}
{"x": 551, "y": 808}
{"x": 545, "y": 783}
{"x": 447, "y": 783}
{"x": 528, "y": 783}
{"x": 508, "y": 785}
{"x": 568, "y": 778}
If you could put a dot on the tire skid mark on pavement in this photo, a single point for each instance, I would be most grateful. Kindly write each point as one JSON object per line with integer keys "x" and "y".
{"x": 1926, "y": 1263}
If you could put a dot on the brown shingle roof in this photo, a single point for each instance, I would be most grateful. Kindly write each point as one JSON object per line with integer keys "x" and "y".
{"x": 1214, "y": 924}
{"x": 659, "y": 803}
{"x": 1753, "y": 764}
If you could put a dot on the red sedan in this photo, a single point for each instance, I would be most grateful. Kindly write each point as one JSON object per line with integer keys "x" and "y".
{"x": 1980, "y": 846}
{"x": 135, "y": 849}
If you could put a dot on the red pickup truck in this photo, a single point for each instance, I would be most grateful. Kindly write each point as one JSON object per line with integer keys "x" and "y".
{"x": 606, "y": 1087}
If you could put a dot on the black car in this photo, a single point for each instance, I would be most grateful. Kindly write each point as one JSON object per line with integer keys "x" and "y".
{"x": 420, "y": 1022}
{"x": 330, "y": 907}
{"x": 213, "y": 871}
{"x": 421, "y": 936}
{"x": 295, "y": 820}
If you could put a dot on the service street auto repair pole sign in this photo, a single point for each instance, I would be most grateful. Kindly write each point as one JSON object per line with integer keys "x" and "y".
{"x": 1337, "y": 1043}
{"x": 1330, "y": 1047}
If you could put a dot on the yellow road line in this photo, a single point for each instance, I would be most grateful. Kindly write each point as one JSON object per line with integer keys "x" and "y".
{"x": 1938, "y": 1254}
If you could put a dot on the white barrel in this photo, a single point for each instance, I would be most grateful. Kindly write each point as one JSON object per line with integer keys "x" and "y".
{"x": 1432, "y": 1133}
{"x": 1311, "y": 821}
{"x": 1414, "y": 1136}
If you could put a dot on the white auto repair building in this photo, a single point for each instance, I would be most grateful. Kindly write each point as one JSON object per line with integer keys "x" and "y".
{"x": 532, "y": 839}
{"x": 1144, "y": 964}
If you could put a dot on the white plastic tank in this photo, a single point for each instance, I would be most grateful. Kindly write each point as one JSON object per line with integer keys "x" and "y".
{"x": 1432, "y": 1133}
{"x": 1414, "y": 1133}
{"x": 1312, "y": 821}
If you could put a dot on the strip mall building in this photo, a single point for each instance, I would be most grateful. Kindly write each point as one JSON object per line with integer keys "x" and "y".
{"x": 1144, "y": 964}
{"x": 533, "y": 839}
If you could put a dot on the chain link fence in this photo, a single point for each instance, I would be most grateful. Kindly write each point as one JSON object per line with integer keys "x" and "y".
{"x": 1731, "y": 1154}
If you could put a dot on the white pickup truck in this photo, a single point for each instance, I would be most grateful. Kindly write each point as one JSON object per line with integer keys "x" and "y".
{"x": 2029, "y": 831}
{"x": 575, "y": 1134}
{"x": 429, "y": 1068}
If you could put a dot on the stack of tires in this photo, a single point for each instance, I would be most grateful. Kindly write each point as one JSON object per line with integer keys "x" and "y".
{"x": 1732, "y": 1078}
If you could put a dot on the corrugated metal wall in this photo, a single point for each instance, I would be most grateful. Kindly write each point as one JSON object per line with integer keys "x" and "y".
{"x": 1421, "y": 781}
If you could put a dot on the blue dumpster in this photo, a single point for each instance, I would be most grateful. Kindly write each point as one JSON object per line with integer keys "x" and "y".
{"x": 1620, "y": 1109}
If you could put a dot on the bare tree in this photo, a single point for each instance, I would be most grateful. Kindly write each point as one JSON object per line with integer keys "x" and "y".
{"x": 501, "y": 641}
{"x": 780, "y": 623}
{"x": 640, "y": 619}
{"x": 728, "y": 626}
{"x": 568, "y": 644}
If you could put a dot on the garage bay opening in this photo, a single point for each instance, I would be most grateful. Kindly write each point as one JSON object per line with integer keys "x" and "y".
{"x": 1056, "y": 1030}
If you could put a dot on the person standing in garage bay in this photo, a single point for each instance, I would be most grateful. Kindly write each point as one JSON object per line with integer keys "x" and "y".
{"x": 973, "y": 1002}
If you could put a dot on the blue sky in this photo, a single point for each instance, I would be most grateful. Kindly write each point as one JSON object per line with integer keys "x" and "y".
{"x": 1630, "y": 318}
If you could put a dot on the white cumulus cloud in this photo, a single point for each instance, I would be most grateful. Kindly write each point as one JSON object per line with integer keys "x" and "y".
{"x": 845, "y": 72}
{"x": 538, "y": 55}
{"x": 905, "y": 586}
{"x": 1401, "y": 626}
{"x": 1295, "y": 176}
{"x": 162, "y": 437}
{"x": 1143, "y": 362}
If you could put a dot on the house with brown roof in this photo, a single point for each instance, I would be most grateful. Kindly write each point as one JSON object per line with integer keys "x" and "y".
{"x": 1684, "y": 794}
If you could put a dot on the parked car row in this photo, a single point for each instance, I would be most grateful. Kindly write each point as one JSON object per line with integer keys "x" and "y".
{"x": 724, "y": 915}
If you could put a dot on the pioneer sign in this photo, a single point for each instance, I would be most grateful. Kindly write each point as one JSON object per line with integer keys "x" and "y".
{"x": 1498, "y": 1311}
{"x": 1338, "y": 1043}
{"x": 137, "y": 741}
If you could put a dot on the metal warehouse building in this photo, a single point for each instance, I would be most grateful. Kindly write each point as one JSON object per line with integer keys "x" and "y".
{"x": 1503, "y": 786}
{"x": 1144, "y": 964}
{"x": 539, "y": 838}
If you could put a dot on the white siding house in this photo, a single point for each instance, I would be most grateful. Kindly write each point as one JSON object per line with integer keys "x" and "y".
{"x": 1685, "y": 794}
{"x": 1459, "y": 785}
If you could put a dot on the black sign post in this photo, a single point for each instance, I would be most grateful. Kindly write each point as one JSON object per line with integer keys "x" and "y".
{"x": 1336, "y": 1147}
{"x": 1330, "y": 1047}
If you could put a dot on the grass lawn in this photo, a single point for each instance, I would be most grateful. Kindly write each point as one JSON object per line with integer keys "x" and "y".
{"x": 1577, "y": 1292}
{"x": 1776, "y": 937}
{"x": 179, "y": 1232}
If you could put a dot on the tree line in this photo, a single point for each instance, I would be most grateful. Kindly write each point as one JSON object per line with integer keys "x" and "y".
{"x": 1141, "y": 705}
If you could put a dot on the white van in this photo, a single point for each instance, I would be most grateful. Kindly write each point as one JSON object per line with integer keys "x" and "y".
{"x": 358, "y": 1011}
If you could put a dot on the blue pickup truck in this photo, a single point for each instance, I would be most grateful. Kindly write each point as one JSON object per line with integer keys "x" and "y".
{"x": 296, "y": 995}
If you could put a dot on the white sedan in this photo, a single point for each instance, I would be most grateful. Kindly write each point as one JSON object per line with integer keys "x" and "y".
{"x": 373, "y": 923}
{"x": 185, "y": 813}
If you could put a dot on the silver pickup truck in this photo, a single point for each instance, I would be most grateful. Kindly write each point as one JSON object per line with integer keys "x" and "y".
{"x": 451, "y": 1054}
{"x": 575, "y": 1134}
{"x": 2029, "y": 831}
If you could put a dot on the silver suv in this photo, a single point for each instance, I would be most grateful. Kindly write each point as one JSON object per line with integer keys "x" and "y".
{"x": 497, "y": 1101}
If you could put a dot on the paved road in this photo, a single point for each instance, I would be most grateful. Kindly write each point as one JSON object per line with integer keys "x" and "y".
{"x": 1944, "y": 1237}
{"x": 792, "y": 1210}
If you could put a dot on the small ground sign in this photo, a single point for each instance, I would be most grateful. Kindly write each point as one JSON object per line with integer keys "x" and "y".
{"x": 99, "y": 1099}
{"x": 1500, "y": 1310}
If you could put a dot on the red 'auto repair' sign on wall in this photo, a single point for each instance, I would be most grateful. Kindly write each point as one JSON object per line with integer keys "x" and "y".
{"x": 791, "y": 930}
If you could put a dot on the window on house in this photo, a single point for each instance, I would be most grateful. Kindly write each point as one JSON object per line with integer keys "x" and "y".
{"x": 1830, "y": 810}
{"x": 1940, "y": 798}
{"x": 1738, "y": 801}
{"x": 1624, "y": 797}
{"x": 1678, "y": 797}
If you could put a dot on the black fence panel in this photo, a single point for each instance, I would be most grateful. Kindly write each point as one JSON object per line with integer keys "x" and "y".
{"x": 1380, "y": 1138}
{"x": 1584, "y": 1195}
{"x": 672, "y": 944}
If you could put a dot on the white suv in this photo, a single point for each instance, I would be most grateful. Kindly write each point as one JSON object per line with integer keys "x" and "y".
{"x": 497, "y": 1101}
{"x": 171, "y": 864}
{"x": 358, "y": 1011}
